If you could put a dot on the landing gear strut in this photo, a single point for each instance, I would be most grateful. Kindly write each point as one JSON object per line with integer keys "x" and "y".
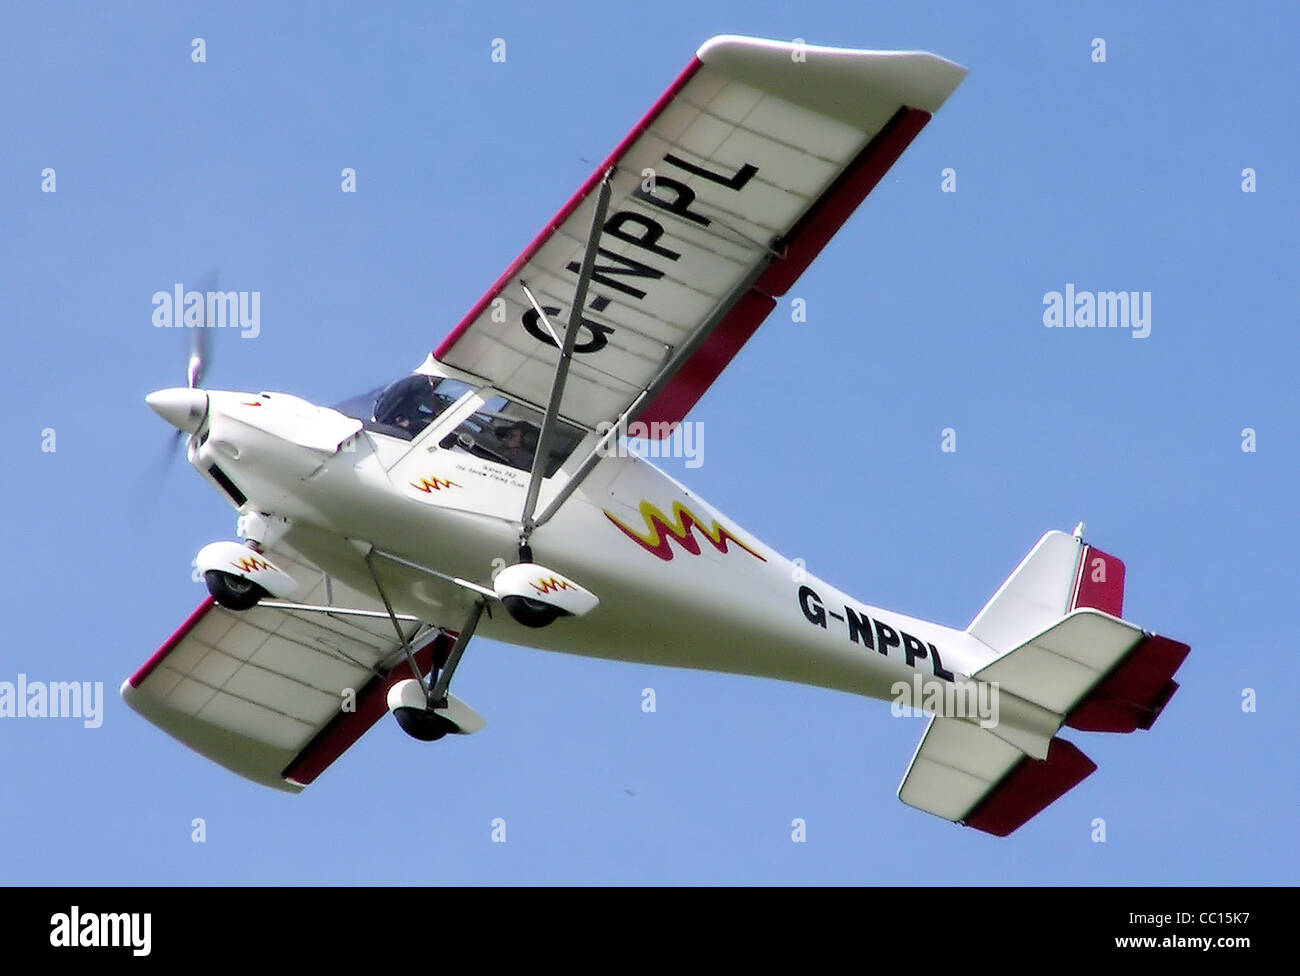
{"x": 423, "y": 706}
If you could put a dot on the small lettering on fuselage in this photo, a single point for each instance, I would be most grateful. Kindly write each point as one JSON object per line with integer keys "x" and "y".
{"x": 873, "y": 634}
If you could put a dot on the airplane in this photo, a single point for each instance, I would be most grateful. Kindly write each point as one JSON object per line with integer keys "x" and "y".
{"x": 485, "y": 493}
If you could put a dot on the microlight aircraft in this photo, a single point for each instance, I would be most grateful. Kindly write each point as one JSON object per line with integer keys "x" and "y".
{"x": 483, "y": 492}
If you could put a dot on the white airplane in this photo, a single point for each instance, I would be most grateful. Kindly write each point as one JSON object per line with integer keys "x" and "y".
{"x": 484, "y": 492}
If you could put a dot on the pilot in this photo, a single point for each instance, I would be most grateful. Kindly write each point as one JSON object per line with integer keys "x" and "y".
{"x": 518, "y": 441}
{"x": 415, "y": 406}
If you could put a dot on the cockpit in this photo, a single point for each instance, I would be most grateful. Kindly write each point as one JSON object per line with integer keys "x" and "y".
{"x": 500, "y": 429}
{"x": 412, "y": 403}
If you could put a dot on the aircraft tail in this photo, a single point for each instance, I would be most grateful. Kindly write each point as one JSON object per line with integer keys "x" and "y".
{"x": 1061, "y": 573}
{"x": 1066, "y": 658}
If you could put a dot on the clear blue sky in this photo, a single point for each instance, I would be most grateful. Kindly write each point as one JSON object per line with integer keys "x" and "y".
{"x": 822, "y": 438}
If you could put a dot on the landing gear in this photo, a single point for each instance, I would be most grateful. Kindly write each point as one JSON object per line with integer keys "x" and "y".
{"x": 423, "y": 706}
{"x": 532, "y": 594}
{"x": 239, "y": 576}
{"x": 233, "y": 592}
{"x": 530, "y": 612}
{"x": 423, "y": 723}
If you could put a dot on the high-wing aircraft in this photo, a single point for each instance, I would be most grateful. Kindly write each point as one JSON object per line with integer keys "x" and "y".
{"x": 483, "y": 493}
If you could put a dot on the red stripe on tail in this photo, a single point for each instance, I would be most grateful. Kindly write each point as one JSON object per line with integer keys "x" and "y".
{"x": 1100, "y": 583}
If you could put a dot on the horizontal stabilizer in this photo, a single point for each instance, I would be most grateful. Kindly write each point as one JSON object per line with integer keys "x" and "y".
{"x": 1135, "y": 693}
{"x": 1030, "y": 788}
{"x": 1057, "y": 668}
{"x": 965, "y": 774}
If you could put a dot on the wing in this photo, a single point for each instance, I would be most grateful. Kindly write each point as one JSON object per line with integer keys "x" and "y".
{"x": 722, "y": 195}
{"x": 265, "y": 692}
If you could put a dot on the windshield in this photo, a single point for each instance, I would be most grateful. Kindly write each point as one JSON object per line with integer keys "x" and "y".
{"x": 405, "y": 407}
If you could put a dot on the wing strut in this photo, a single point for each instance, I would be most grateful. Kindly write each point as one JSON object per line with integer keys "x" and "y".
{"x": 547, "y": 435}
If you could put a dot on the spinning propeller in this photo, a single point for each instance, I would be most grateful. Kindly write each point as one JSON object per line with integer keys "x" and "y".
{"x": 185, "y": 407}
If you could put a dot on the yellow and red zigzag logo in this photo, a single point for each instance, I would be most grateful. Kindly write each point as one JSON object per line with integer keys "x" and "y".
{"x": 433, "y": 484}
{"x": 678, "y": 529}
{"x": 550, "y": 583}
{"x": 250, "y": 564}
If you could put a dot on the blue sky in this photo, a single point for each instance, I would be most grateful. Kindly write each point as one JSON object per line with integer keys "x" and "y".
{"x": 822, "y": 438}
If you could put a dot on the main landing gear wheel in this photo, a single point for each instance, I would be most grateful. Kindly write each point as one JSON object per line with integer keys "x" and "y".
{"x": 231, "y": 591}
{"x": 423, "y": 706}
{"x": 424, "y": 723}
{"x": 530, "y": 612}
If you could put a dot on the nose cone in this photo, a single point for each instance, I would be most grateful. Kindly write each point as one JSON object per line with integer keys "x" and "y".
{"x": 183, "y": 409}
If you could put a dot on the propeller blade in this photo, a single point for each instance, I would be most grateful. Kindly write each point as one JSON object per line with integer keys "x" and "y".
{"x": 155, "y": 474}
{"x": 200, "y": 342}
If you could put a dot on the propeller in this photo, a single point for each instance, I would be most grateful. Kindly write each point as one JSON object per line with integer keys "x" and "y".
{"x": 200, "y": 348}
{"x": 184, "y": 408}
{"x": 200, "y": 343}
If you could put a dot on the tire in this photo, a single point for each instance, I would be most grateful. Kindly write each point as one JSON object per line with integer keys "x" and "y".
{"x": 233, "y": 592}
{"x": 424, "y": 724}
{"x": 531, "y": 613}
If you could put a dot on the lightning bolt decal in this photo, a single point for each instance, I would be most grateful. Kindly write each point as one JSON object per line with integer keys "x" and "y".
{"x": 678, "y": 528}
{"x": 433, "y": 484}
{"x": 549, "y": 584}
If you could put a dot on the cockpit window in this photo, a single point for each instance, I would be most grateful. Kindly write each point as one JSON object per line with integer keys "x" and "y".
{"x": 406, "y": 407}
{"x": 506, "y": 431}
{"x": 411, "y": 404}
{"x": 501, "y": 430}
